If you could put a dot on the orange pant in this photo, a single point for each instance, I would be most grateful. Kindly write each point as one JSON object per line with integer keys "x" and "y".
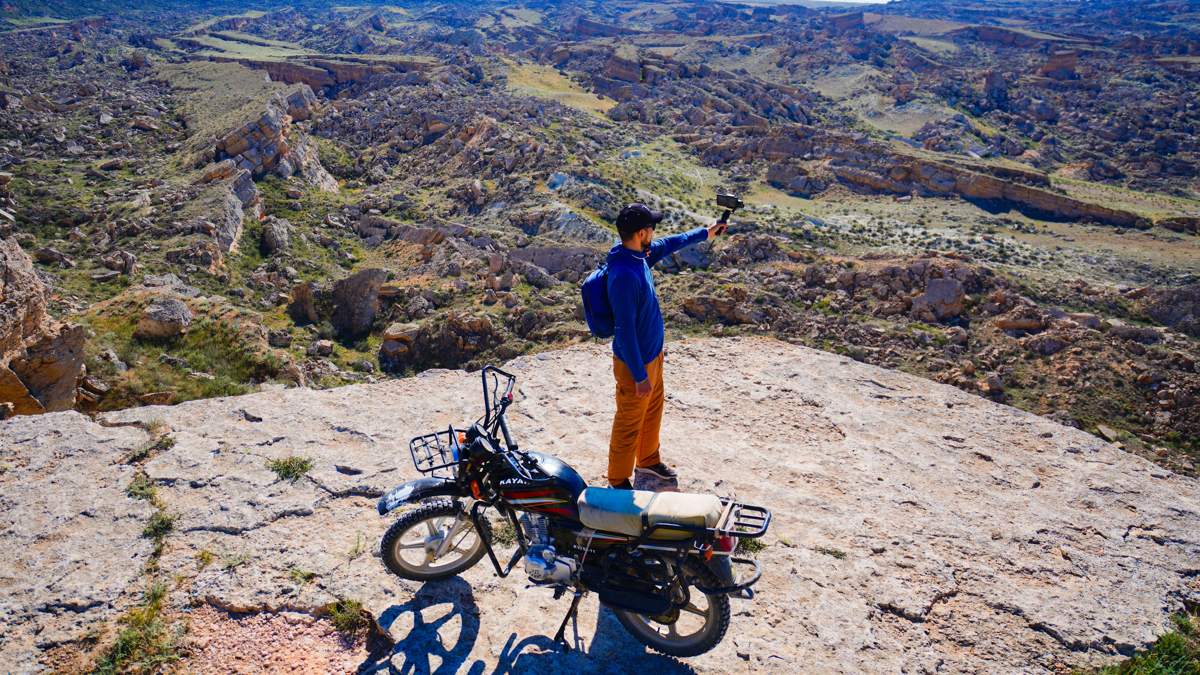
{"x": 635, "y": 427}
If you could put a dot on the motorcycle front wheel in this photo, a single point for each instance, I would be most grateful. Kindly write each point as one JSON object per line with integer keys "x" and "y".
{"x": 691, "y": 630}
{"x": 434, "y": 541}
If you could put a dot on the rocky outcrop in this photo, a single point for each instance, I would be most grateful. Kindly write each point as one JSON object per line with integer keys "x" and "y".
{"x": 276, "y": 235}
{"x": 41, "y": 359}
{"x": 907, "y": 515}
{"x": 908, "y": 174}
{"x": 164, "y": 318}
{"x": 268, "y": 144}
{"x": 355, "y": 302}
{"x": 1178, "y": 308}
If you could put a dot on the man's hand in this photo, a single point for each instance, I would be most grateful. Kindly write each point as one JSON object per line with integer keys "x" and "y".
{"x": 643, "y": 388}
{"x": 717, "y": 229}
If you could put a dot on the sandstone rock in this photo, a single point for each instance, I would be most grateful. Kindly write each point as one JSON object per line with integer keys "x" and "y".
{"x": 397, "y": 345}
{"x": 321, "y": 348}
{"x": 164, "y": 318}
{"x": 157, "y": 398}
{"x": 1177, "y": 308}
{"x": 204, "y": 254}
{"x": 356, "y": 302}
{"x": 846, "y": 421}
{"x": 1045, "y": 344}
{"x": 120, "y": 261}
{"x": 1144, "y": 335}
{"x": 40, "y": 359}
{"x": 276, "y": 235}
{"x": 302, "y": 307}
{"x": 64, "y": 490}
{"x": 943, "y": 299}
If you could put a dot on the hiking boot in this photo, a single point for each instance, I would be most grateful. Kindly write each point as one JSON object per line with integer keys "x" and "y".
{"x": 644, "y": 479}
{"x": 662, "y": 471}
{"x": 623, "y": 485}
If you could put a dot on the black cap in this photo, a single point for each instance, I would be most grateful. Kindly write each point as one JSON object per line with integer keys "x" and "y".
{"x": 636, "y": 217}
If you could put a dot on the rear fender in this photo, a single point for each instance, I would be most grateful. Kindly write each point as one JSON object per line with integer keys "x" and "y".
{"x": 416, "y": 490}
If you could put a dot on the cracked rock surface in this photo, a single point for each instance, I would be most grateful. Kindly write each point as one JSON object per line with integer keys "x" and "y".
{"x": 72, "y": 539}
{"x": 916, "y": 527}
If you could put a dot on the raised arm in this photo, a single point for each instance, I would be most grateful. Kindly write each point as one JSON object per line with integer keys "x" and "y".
{"x": 623, "y": 292}
{"x": 664, "y": 247}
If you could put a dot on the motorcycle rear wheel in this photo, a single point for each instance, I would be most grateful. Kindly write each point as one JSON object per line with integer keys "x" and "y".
{"x": 409, "y": 548}
{"x": 690, "y": 631}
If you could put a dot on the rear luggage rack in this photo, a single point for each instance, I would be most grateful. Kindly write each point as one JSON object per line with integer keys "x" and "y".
{"x": 436, "y": 454}
{"x": 736, "y": 520}
{"x": 743, "y": 520}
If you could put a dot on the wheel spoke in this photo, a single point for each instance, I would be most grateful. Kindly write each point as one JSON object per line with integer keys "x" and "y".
{"x": 691, "y": 608}
{"x": 415, "y": 544}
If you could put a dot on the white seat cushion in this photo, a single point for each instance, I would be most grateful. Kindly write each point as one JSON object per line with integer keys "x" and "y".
{"x": 621, "y": 511}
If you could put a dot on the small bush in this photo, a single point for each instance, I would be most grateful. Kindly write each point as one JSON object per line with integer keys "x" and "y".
{"x": 747, "y": 546}
{"x": 347, "y": 616}
{"x": 232, "y": 562}
{"x": 159, "y": 525}
{"x": 504, "y": 534}
{"x": 301, "y": 577}
{"x": 290, "y": 469}
{"x": 149, "y": 448}
{"x": 141, "y": 487}
{"x": 1176, "y": 653}
{"x": 204, "y": 558}
{"x": 146, "y": 643}
{"x": 836, "y": 553}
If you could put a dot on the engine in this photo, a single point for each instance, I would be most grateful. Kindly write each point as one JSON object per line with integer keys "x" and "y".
{"x": 542, "y": 562}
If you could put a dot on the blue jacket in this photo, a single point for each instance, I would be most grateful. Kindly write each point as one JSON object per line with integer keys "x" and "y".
{"x": 638, "y": 334}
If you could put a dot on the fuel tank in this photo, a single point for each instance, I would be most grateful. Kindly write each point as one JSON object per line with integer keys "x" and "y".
{"x": 555, "y": 494}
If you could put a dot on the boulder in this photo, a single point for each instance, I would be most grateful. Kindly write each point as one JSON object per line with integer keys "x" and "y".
{"x": 41, "y": 359}
{"x": 356, "y": 302}
{"x": 276, "y": 235}
{"x": 397, "y": 345}
{"x": 302, "y": 307}
{"x": 943, "y": 299}
{"x": 163, "y": 318}
{"x": 1144, "y": 335}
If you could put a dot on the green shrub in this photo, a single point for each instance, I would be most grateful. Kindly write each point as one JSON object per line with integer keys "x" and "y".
{"x": 141, "y": 487}
{"x": 347, "y": 616}
{"x": 747, "y": 546}
{"x": 290, "y": 469}
{"x": 159, "y": 525}
{"x": 146, "y": 643}
{"x": 1176, "y": 653}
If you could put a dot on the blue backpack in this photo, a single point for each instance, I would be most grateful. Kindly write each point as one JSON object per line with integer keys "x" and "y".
{"x": 596, "y": 308}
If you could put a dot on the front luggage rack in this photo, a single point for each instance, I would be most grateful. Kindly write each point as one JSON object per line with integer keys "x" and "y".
{"x": 436, "y": 454}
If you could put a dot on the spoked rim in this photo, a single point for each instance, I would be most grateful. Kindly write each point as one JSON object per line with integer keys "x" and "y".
{"x": 436, "y": 544}
{"x": 680, "y": 627}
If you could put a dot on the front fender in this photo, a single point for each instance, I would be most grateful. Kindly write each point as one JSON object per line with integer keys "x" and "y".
{"x": 415, "y": 491}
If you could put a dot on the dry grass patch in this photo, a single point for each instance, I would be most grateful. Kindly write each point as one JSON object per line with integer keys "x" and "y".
{"x": 546, "y": 82}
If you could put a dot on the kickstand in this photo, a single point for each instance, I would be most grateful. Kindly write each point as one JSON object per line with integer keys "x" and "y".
{"x": 571, "y": 614}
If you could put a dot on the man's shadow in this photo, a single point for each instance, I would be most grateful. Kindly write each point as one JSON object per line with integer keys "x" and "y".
{"x": 418, "y": 625}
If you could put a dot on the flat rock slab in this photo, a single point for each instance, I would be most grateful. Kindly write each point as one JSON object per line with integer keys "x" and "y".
{"x": 72, "y": 543}
{"x": 917, "y": 527}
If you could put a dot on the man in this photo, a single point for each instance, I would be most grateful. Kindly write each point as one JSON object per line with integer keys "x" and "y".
{"x": 637, "y": 346}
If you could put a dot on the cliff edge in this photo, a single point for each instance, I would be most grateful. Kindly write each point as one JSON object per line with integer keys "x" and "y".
{"x": 917, "y": 527}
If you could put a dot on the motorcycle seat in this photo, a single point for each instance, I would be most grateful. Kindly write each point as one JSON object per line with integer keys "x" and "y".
{"x": 621, "y": 511}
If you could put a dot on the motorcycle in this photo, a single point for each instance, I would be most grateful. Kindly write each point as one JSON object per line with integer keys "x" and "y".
{"x": 663, "y": 562}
